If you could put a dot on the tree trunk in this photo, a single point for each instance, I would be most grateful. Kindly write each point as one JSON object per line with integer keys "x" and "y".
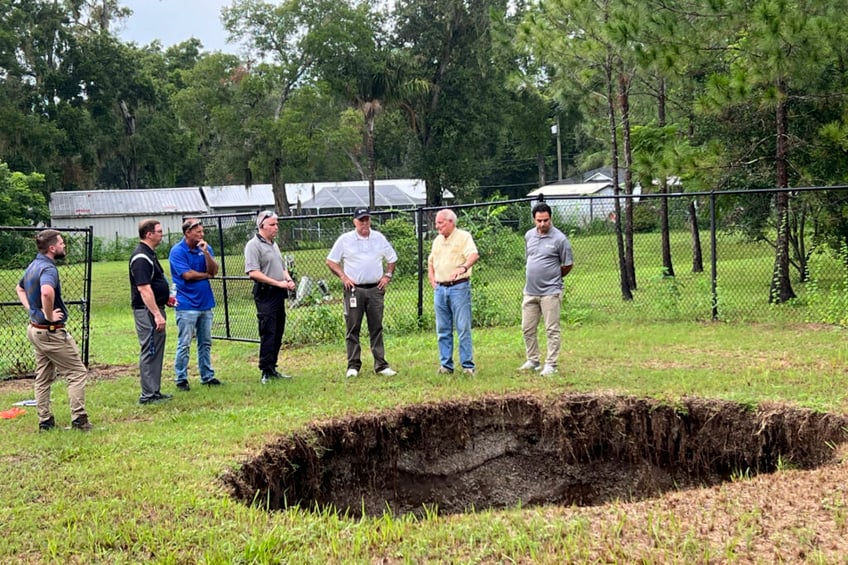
{"x": 665, "y": 236}
{"x": 540, "y": 167}
{"x": 781, "y": 286}
{"x": 626, "y": 293}
{"x": 697, "y": 254}
{"x": 624, "y": 102}
{"x": 370, "y": 116}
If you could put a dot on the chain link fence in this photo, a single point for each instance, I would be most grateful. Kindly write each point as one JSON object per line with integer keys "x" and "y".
{"x": 17, "y": 250}
{"x": 720, "y": 245}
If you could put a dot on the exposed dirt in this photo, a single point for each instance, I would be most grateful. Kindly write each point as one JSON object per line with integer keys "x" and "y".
{"x": 582, "y": 449}
{"x": 95, "y": 372}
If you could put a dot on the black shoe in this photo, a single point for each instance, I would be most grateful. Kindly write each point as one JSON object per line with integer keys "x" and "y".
{"x": 47, "y": 425}
{"x": 157, "y": 397}
{"x": 212, "y": 382}
{"x": 82, "y": 424}
{"x": 183, "y": 386}
{"x": 279, "y": 375}
{"x": 266, "y": 376}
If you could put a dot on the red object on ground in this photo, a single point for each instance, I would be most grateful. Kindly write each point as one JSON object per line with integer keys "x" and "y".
{"x": 12, "y": 413}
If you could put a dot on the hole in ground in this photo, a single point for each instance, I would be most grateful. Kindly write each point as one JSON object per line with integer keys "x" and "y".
{"x": 586, "y": 449}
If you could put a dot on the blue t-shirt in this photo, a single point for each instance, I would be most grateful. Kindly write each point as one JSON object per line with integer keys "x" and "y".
{"x": 191, "y": 295}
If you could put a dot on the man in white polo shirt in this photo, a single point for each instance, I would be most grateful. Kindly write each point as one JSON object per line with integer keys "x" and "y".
{"x": 357, "y": 258}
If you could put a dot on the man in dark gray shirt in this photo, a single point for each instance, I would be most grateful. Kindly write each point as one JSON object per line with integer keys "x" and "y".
{"x": 549, "y": 259}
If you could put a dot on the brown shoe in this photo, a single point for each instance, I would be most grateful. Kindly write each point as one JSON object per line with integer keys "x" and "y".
{"x": 82, "y": 424}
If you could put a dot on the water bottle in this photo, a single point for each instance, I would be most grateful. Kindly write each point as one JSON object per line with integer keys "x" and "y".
{"x": 172, "y": 297}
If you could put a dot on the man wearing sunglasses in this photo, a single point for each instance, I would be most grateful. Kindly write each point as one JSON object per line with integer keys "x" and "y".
{"x": 263, "y": 263}
{"x": 192, "y": 265}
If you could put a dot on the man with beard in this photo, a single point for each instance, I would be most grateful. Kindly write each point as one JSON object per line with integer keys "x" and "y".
{"x": 56, "y": 352}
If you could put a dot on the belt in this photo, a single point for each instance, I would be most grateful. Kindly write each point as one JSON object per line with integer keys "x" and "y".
{"x": 453, "y": 283}
{"x": 367, "y": 286}
{"x": 49, "y": 327}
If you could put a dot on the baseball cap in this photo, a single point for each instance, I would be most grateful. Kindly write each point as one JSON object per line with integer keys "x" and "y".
{"x": 360, "y": 213}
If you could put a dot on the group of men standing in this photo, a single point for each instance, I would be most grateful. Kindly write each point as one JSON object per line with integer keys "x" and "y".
{"x": 364, "y": 261}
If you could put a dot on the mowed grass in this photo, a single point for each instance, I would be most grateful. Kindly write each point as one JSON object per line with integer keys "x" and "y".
{"x": 143, "y": 485}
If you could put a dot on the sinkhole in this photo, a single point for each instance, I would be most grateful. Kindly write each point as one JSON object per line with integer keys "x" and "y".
{"x": 495, "y": 452}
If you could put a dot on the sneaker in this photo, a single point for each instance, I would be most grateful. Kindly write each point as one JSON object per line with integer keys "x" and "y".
{"x": 266, "y": 376}
{"x": 351, "y": 373}
{"x": 211, "y": 382}
{"x": 183, "y": 386}
{"x": 47, "y": 425}
{"x": 279, "y": 375}
{"x": 444, "y": 371}
{"x": 468, "y": 371}
{"x": 387, "y": 372}
{"x": 82, "y": 424}
{"x": 529, "y": 366}
{"x": 548, "y": 371}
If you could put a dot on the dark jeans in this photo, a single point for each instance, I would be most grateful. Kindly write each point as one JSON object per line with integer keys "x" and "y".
{"x": 271, "y": 313}
{"x": 369, "y": 302}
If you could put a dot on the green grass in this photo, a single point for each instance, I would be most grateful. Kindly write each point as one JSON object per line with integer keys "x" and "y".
{"x": 143, "y": 486}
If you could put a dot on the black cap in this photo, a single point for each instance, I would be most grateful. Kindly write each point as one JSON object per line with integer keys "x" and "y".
{"x": 360, "y": 213}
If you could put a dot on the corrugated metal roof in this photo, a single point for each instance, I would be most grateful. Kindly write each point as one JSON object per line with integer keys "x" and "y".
{"x": 237, "y": 195}
{"x": 345, "y": 197}
{"x": 151, "y": 202}
{"x": 582, "y": 189}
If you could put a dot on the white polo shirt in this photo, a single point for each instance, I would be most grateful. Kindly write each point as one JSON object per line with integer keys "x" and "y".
{"x": 362, "y": 257}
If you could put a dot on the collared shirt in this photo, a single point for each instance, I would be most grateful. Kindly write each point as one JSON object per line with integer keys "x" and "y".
{"x": 145, "y": 269}
{"x": 546, "y": 254}
{"x": 362, "y": 257}
{"x": 191, "y": 295}
{"x": 42, "y": 271}
{"x": 449, "y": 253}
{"x": 263, "y": 256}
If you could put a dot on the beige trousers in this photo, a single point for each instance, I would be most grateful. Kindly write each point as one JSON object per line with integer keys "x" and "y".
{"x": 56, "y": 353}
{"x": 534, "y": 309}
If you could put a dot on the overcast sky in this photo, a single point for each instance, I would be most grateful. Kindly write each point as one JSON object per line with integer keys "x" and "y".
{"x": 174, "y": 21}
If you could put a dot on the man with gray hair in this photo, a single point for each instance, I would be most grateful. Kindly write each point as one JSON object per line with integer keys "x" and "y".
{"x": 272, "y": 282}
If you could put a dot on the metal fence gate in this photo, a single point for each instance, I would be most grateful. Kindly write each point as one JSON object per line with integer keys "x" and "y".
{"x": 17, "y": 249}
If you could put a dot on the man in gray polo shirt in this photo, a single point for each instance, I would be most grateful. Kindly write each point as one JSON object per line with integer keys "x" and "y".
{"x": 263, "y": 263}
{"x": 549, "y": 259}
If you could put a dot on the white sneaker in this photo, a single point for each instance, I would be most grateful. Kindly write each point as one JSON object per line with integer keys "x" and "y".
{"x": 529, "y": 366}
{"x": 351, "y": 373}
{"x": 387, "y": 372}
{"x": 548, "y": 371}
{"x": 468, "y": 371}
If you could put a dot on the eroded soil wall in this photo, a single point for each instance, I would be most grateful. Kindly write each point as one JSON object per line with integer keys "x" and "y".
{"x": 583, "y": 449}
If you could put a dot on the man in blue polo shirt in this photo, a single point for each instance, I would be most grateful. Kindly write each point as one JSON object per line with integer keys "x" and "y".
{"x": 548, "y": 261}
{"x": 192, "y": 265}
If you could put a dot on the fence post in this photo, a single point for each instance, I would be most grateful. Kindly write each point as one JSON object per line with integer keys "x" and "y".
{"x": 223, "y": 254}
{"x": 419, "y": 221}
{"x": 713, "y": 255}
{"x": 86, "y": 326}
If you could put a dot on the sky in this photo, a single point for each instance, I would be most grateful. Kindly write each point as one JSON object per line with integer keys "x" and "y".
{"x": 174, "y": 21}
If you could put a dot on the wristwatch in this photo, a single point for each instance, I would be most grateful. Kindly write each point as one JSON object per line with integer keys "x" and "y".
{"x": 388, "y": 274}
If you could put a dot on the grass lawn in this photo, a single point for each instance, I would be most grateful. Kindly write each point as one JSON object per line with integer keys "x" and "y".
{"x": 145, "y": 485}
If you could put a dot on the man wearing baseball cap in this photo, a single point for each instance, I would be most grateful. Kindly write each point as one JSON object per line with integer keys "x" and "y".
{"x": 358, "y": 258}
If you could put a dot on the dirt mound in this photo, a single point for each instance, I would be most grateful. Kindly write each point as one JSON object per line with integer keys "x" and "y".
{"x": 584, "y": 449}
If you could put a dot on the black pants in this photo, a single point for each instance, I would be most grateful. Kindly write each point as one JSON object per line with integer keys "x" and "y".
{"x": 271, "y": 313}
{"x": 369, "y": 303}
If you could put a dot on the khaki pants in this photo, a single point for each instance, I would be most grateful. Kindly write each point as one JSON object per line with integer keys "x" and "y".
{"x": 56, "y": 353}
{"x": 534, "y": 309}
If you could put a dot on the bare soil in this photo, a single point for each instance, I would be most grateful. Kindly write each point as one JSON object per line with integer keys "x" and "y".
{"x": 578, "y": 449}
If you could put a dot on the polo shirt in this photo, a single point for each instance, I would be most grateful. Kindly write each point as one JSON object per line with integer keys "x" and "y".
{"x": 145, "y": 269}
{"x": 546, "y": 254}
{"x": 263, "y": 256}
{"x": 362, "y": 257}
{"x": 191, "y": 295}
{"x": 42, "y": 271}
{"x": 451, "y": 252}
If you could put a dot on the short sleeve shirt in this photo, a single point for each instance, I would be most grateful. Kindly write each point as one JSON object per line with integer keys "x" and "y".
{"x": 263, "y": 256}
{"x": 145, "y": 269}
{"x": 191, "y": 295}
{"x": 362, "y": 257}
{"x": 451, "y": 252}
{"x": 42, "y": 271}
{"x": 546, "y": 254}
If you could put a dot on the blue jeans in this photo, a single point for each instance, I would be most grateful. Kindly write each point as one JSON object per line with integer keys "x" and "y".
{"x": 188, "y": 323}
{"x": 453, "y": 310}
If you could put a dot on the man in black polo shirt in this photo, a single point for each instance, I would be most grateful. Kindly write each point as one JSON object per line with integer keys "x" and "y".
{"x": 149, "y": 298}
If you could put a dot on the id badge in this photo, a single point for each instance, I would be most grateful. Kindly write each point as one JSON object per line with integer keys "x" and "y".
{"x": 353, "y": 301}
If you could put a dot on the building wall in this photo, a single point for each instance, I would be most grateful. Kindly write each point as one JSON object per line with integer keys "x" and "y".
{"x": 110, "y": 227}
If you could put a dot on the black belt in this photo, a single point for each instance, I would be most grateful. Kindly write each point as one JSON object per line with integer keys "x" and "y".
{"x": 367, "y": 286}
{"x": 48, "y": 327}
{"x": 454, "y": 283}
